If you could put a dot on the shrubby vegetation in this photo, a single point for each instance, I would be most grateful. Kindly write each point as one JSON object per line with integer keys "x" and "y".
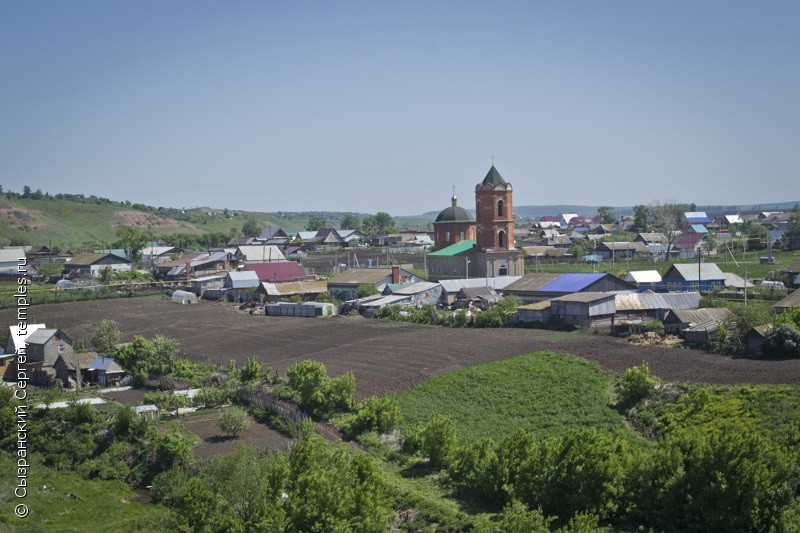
{"x": 495, "y": 317}
{"x": 310, "y": 386}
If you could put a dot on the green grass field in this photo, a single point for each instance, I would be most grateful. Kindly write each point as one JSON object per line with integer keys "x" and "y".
{"x": 546, "y": 393}
{"x": 64, "y": 501}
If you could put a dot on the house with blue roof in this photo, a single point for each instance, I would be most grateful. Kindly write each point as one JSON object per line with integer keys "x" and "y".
{"x": 537, "y": 287}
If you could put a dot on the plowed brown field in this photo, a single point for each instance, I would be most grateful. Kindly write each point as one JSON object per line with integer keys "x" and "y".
{"x": 384, "y": 356}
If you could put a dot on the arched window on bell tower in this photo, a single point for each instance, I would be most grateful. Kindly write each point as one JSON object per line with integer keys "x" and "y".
{"x": 501, "y": 239}
{"x": 501, "y": 208}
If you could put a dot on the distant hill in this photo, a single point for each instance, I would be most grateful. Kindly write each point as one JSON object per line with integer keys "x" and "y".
{"x": 79, "y": 222}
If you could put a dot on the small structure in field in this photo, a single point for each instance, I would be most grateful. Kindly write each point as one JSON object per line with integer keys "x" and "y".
{"x": 184, "y": 297}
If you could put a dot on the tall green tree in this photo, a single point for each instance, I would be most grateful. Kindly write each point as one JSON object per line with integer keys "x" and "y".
{"x": 317, "y": 223}
{"x": 350, "y": 221}
{"x": 106, "y": 337}
{"x": 608, "y": 215}
{"x": 641, "y": 218}
{"x": 132, "y": 240}
{"x": 384, "y": 222}
{"x": 250, "y": 228}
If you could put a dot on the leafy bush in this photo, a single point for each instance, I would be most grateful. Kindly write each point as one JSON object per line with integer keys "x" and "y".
{"x": 438, "y": 441}
{"x": 783, "y": 342}
{"x": 166, "y": 400}
{"x": 233, "y": 421}
{"x": 655, "y": 326}
{"x": 315, "y": 390}
{"x": 375, "y": 414}
{"x": 211, "y": 397}
{"x": 365, "y": 289}
{"x": 636, "y": 385}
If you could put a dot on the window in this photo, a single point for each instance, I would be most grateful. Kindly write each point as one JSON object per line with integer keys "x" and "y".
{"x": 60, "y": 348}
{"x": 446, "y": 236}
{"x": 501, "y": 238}
{"x": 501, "y": 208}
{"x": 463, "y": 237}
{"x": 503, "y": 271}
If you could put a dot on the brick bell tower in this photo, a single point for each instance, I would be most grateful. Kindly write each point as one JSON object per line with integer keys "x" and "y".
{"x": 494, "y": 214}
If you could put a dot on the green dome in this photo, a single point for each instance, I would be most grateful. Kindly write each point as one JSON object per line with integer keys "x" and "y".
{"x": 454, "y": 214}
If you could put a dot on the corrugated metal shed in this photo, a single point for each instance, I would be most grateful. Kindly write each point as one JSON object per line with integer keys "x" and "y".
{"x": 290, "y": 288}
{"x": 689, "y": 272}
{"x": 572, "y": 282}
{"x": 244, "y": 279}
{"x": 12, "y": 254}
{"x": 736, "y": 282}
{"x": 695, "y": 317}
{"x": 538, "y": 306}
{"x": 650, "y": 301}
{"x": 496, "y": 283}
{"x": 358, "y": 276}
{"x": 455, "y": 249}
{"x": 260, "y": 253}
{"x": 681, "y": 300}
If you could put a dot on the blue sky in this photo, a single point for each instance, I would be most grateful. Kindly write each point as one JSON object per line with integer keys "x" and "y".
{"x": 374, "y": 106}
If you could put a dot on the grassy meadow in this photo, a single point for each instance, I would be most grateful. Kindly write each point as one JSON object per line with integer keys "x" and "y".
{"x": 546, "y": 393}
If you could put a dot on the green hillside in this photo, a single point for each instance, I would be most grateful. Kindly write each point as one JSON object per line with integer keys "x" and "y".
{"x": 82, "y": 223}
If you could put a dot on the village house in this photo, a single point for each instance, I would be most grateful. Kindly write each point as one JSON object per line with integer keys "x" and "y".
{"x": 792, "y": 300}
{"x": 68, "y": 366}
{"x": 697, "y": 326}
{"x": 546, "y": 286}
{"x": 307, "y": 290}
{"x": 633, "y": 308}
{"x": 586, "y": 309}
{"x": 259, "y": 253}
{"x": 273, "y": 235}
{"x": 452, "y": 287}
{"x": 93, "y": 263}
{"x": 196, "y": 265}
{"x": 153, "y": 255}
{"x": 704, "y": 277}
{"x": 616, "y": 251}
{"x": 643, "y": 279}
{"x": 277, "y": 271}
{"x": 241, "y": 280}
{"x": 754, "y": 339}
{"x": 44, "y": 347}
{"x": 344, "y": 285}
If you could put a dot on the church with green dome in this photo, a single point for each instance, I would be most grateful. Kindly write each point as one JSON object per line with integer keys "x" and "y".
{"x": 483, "y": 247}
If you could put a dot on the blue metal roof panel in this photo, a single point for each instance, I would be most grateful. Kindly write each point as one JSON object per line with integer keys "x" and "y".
{"x": 572, "y": 282}
{"x": 698, "y": 220}
{"x": 699, "y": 228}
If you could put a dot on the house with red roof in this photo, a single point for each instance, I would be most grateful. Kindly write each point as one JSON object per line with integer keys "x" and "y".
{"x": 277, "y": 271}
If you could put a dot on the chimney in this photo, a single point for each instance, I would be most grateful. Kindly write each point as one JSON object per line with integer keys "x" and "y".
{"x": 395, "y": 275}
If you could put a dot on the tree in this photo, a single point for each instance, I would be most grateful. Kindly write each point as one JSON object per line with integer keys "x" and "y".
{"x": 233, "y": 421}
{"x": 384, "y": 222}
{"x": 366, "y": 289}
{"x": 148, "y": 358}
{"x": 641, "y": 217}
{"x": 350, "y": 221}
{"x": 791, "y": 237}
{"x": 376, "y": 414}
{"x": 26, "y": 191}
{"x": 316, "y": 223}
{"x": 783, "y": 342}
{"x": 250, "y": 228}
{"x": 106, "y": 337}
{"x": 311, "y": 382}
{"x": 132, "y": 240}
{"x": 607, "y": 214}
{"x": 369, "y": 224}
{"x": 667, "y": 217}
{"x": 51, "y": 268}
{"x": 438, "y": 440}
{"x": 636, "y": 385}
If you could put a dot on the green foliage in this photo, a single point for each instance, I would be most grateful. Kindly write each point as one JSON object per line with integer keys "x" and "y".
{"x": 731, "y": 481}
{"x": 783, "y": 342}
{"x": 375, "y": 414}
{"x": 438, "y": 441}
{"x": 132, "y": 240}
{"x": 66, "y": 437}
{"x": 546, "y": 393}
{"x": 350, "y": 221}
{"x": 316, "y": 223}
{"x": 51, "y": 268}
{"x": 366, "y": 289}
{"x": 145, "y": 358}
{"x": 8, "y": 417}
{"x": 636, "y": 385}
{"x": 233, "y": 421}
{"x": 335, "y": 491}
{"x": 165, "y": 401}
{"x": 516, "y": 518}
{"x": 250, "y": 228}
{"x": 498, "y": 316}
{"x": 211, "y": 396}
{"x": 316, "y": 391}
{"x": 251, "y": 372}
{"x": 106, "y": 337}
{"x": 641, "y": 217}
{"x": 655, "y": 326}
{"x": 608, "y": 215}
{"x": 791, "y": 316}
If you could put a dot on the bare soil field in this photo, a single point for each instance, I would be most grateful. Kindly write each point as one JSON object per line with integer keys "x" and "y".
{"x": 213, "y": 442}
{"x": 384, "y": 356}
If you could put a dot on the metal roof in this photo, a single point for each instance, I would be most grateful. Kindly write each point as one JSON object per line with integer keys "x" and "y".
{"x": 16, "y": 340}
{"x": 357, "y": 276}
{"x": 242, "y": 280}
{"x": 500, "y": 282}
{"x": 386, "y": 300}
{"x": 636, "y": 246}
{"x": 793, "y": 300}
{"x": 735, "y": 281}
{"x": 702, "y": 316}
{"x": 648, "y": 301}
{"x": 689, "y": 271}
{"x": 493, "y": 178}
{"x": 88, "y": 259}
{"x": 643, "y": 276}
{"x": 455, "y": 249}
{"x": 105, "y": 363}
{"x": 585, "y": 297}
{"x": 532, "y": 282}
{"x": 294, "y": 287}
{"x": 538, "y": 306}
{"x": 12, "y": 255}
{"x": 277, "y": 270}
{"x": 144, "y": 408}
{"x": 254, "y": 252}
{"x": 40, "y": 336}
{"x": 699, "y": 228}
{"x": 573, "y": 282}
{"x": 416, "y": 288}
